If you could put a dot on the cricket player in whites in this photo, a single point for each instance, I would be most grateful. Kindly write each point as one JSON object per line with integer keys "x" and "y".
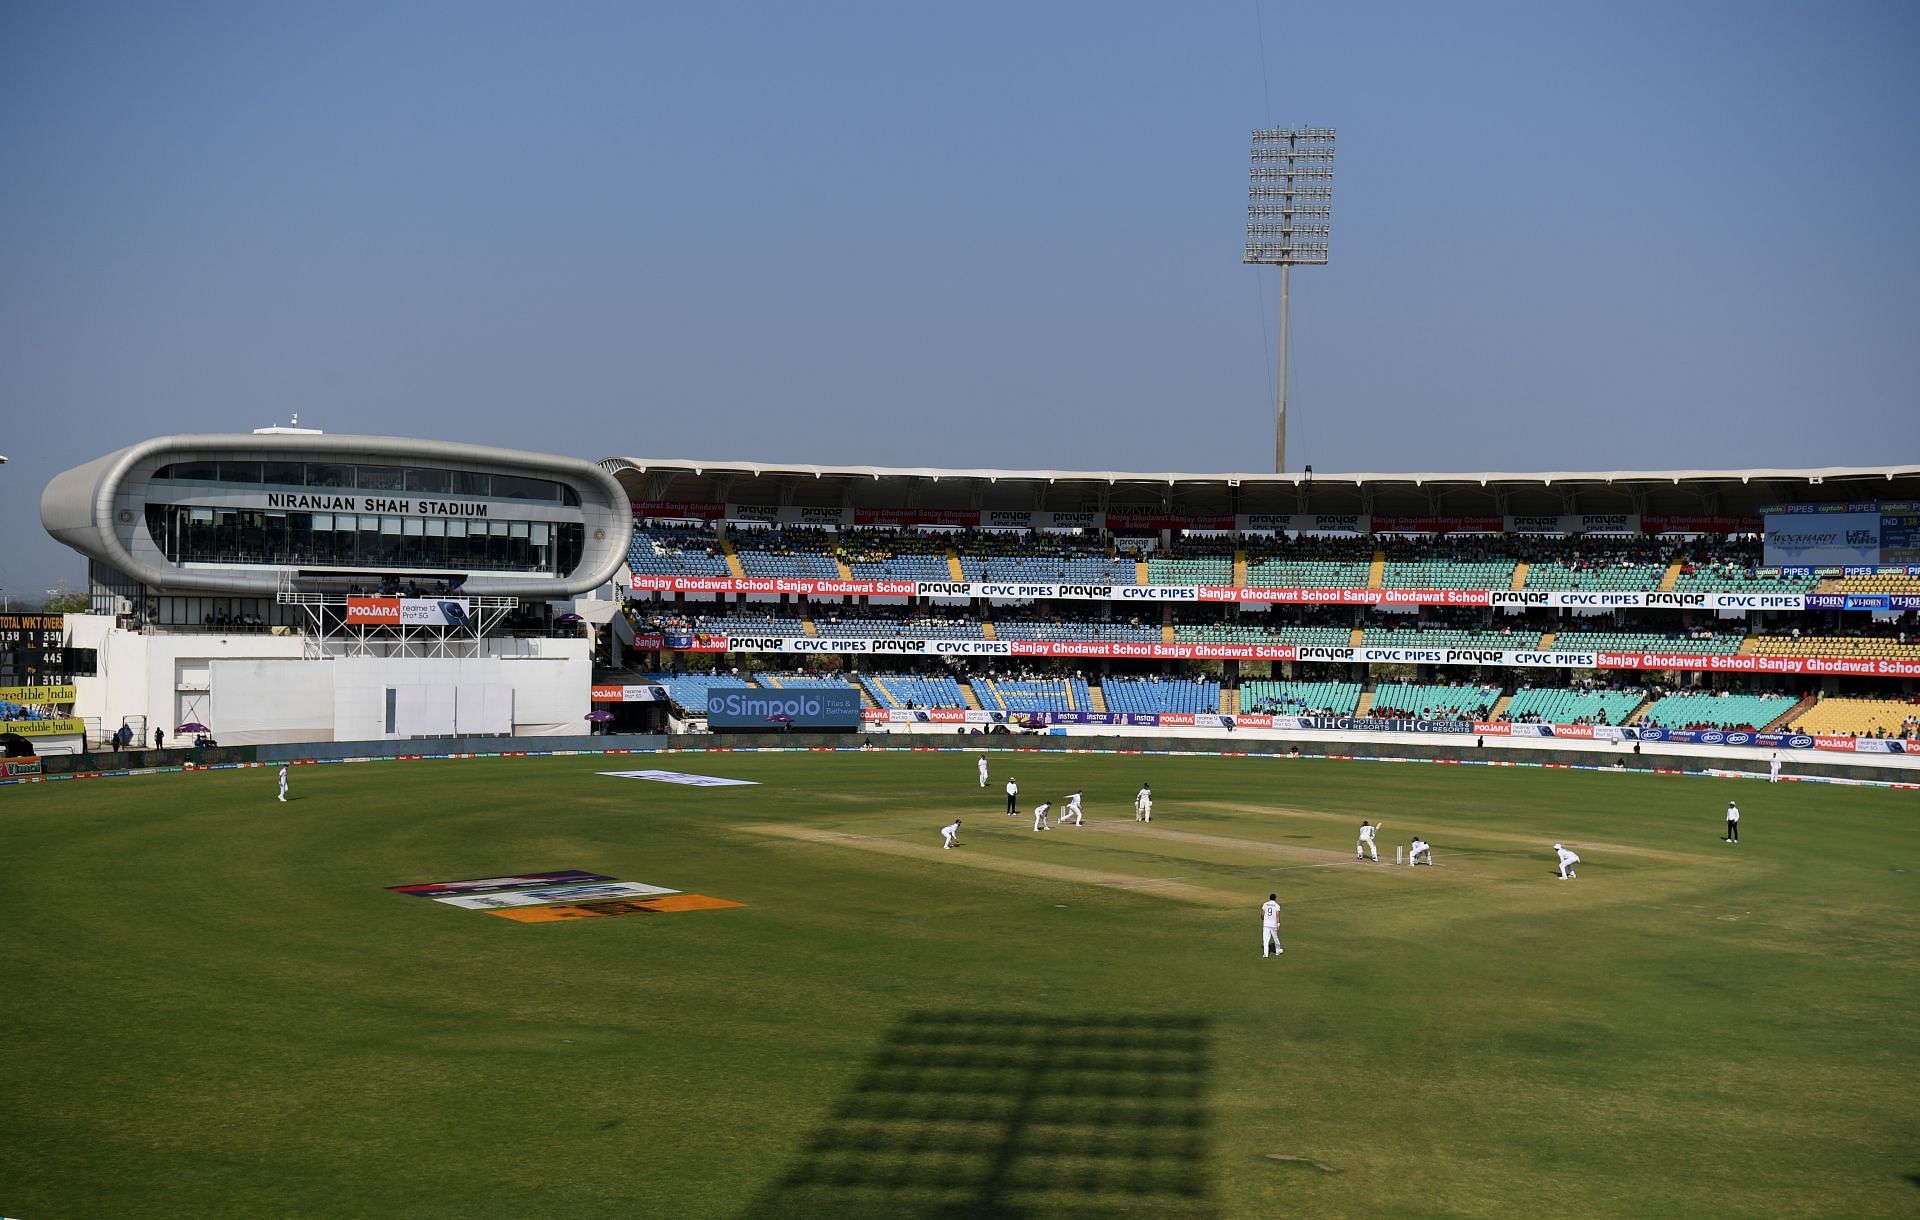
{"x": 983, "y": 770}
{"x": 1773, "y": 768}
{"x": 1567, "y": 861}
{"x": 949, "y": 834}
{"x": 1040, "y": 815}
{"x": 1364, "y": 849}
{"x": 1073, "y": 811}
{"x": 1421, "y": 848}
{"x": 1143, "y": 804}
{"x": 1270, "y": 927}
{"x": 283, "y": 783}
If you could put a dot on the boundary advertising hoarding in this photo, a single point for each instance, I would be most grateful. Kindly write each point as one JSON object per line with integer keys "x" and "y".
{"x": 756, "y": 708}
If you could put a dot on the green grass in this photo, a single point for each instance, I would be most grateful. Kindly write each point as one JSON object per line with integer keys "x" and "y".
{"x": 213, "y": 1008}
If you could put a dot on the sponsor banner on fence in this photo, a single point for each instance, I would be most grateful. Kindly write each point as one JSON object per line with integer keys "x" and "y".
{"x": 680, "y": 510}
{"x": 409, "y": 611}
{"x": 1378, "y": 654}
{"x": 65, "y": 726}
{"x": 1651, "y": 600}
{"x": 1024, "y": 519}
{"x": 1575, "y": 523}
{"x": 1312, "y": 523}
{"x": 964, "y": 518}
{"x": 1877, "y": 667}
{"x": 38, "y": 694}
{"x": 786, "y": 514}
{"x": 1699, "y": 523}
{"x": 1345, "y": 597}
{"x": 1387, "y": 524}
{"x": 1369, "y": 724}
{"x": 1003, "y": 590}
{"x": 766, "y": 584}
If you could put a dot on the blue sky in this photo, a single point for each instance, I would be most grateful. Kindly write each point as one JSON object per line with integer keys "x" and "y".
{"x": 1569, "y": 236}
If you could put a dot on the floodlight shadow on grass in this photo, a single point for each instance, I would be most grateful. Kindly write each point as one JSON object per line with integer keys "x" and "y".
{"x": 1016, "y": 1114}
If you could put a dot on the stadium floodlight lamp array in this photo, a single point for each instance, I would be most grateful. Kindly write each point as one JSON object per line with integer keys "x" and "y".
{"x": 1289, "y": 224}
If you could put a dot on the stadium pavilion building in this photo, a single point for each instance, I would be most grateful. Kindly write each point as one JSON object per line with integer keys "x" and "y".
{"x": 289, "y": 585}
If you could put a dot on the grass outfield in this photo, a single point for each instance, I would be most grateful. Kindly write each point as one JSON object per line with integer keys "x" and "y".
{"x": 214, "y": 1008}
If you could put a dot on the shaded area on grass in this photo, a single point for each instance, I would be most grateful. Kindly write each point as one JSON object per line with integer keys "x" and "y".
{"x": 1015, "y": 1114}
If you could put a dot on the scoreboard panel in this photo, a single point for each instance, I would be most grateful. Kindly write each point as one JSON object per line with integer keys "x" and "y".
{"x": 33, "y": 650}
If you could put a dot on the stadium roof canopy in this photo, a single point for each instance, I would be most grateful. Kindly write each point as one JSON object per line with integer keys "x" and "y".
{"x": 1676, "y": 491}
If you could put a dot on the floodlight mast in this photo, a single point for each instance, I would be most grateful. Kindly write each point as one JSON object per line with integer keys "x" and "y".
{"x": 1289, "y": 222}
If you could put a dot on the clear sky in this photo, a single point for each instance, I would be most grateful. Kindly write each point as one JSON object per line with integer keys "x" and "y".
{"x": 1566, "y": 236}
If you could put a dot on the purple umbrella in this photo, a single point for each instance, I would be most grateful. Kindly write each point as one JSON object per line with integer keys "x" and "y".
{"x": 783, "y": 720}
{"x": 599, "y": 717}
{"x": 192, "y": 726}
{"x": 569, "y": 618}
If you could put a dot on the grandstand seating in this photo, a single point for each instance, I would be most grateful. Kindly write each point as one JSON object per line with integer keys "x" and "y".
{"x": 1039, "y": 630}
{"x": 750, "y": 624}
{"x": 1860, "y": 718}
{"x": 798, "y": 554}
{"x": 805, "y": 681}
{"x": 1434, "y": 702}
{"x": 1733, "y": 578}
{"x": 1256, "y": 632}
{"x": 901, "y": 567}
{"x": 1721, "y": 644}
{"x": 888, "y": 556}
{"x": 666, "y": 551}
{"x": 690, "y": 690}
{"x": 1552, "y": 706}
{"x": 1300, "y": 698}
{"x": 1191, "y": 570}
{"x": 1866, "y": 646}
{"x": 1041, "y": 695}
{"x": 1142, "y": 695}
{"x": 1549, "y": 574}
{"x": 1878, "y": 583}
{"x": 1447, "y": 574}
{"x": 898, "y": 690}
{"x": 1307, "y": 573}
{"x": 1729, "y": 710}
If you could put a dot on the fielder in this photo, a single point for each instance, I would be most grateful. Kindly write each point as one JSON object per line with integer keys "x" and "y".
{"x": 949, "y": 835}
{"x": 1420, "y": 848}
{"x": 1270, "y": 927}
{"x": 1364, "y": 849}
{"x": 1040, "y": 815}
{"x": 1143, "y": 804}
{"x": 1733, "y": 822}
{"x": 283, "y": 783}
{"x": 1013, "y": 791}
{"x": 1072, "y": 811}
{"x": 1773, "y": 768}
{"x": 1567, "y": 861}
{"x": 983, "y": 770}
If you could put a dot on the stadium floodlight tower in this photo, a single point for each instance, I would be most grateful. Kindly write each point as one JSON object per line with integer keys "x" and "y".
{"x": 1289, "y": 220}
